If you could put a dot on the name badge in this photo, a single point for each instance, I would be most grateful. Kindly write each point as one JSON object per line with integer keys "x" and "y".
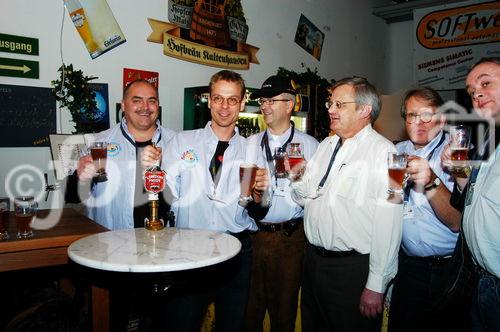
{"x": 408, "y": 211}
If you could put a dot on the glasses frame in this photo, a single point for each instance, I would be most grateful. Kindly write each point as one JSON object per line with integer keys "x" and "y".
{"x": 231, "y": 101}
{"x": 270, "y": 102}
{"x": 415, "y": 116}
{"x": 338, "y": 104}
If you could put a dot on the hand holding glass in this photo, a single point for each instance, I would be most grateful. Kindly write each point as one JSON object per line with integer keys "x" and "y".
{"x": 295, "y": 155}
{"x": 396, "y": 163}
{"x": 99, "y": 153}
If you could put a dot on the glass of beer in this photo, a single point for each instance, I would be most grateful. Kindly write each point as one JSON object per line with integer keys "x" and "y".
{"x": 24, "y": 211}
{"x": 99, "y": 153}
{"x": 460, "y": 143}
{"x": 247, "y": 182}
{"x": 279, "y": 162}
{"x": 396, "y": 163}
{"x": 295, "y": 155}
{"x": 4, "y": 217}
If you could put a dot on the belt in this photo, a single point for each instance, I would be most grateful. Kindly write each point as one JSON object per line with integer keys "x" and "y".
{"x": 287, "y": 226}
{"x": 330, "y": 253}
{"x": 431, "y": 260}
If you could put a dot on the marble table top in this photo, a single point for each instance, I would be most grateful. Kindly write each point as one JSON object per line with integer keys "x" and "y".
{"x": 140, "y": 250}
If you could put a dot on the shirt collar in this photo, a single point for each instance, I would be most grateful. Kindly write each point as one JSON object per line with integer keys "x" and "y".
{"x": 209, "y": 133}
{"x": 156, "y": 135}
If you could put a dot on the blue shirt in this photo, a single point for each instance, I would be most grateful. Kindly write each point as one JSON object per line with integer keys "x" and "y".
{"x": 423, "y": 233}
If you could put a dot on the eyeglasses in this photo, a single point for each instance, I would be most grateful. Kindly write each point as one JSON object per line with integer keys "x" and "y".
{"x": 269, "y": 102}
{"x": 231, "y": 101}
{"x": 424, "y": 117}
{"x": 338, "y": 104}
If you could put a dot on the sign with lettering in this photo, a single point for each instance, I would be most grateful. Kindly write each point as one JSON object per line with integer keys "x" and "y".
{"x": 27, "y": 116}
{"x": 19, "y": 68}
{"x": 211, "y": 33}
{"x": 450, "y": 40}
{"x": 18, "y": 44}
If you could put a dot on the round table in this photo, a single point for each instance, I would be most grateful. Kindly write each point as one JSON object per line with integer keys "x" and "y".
{"x": 140, "y": 250}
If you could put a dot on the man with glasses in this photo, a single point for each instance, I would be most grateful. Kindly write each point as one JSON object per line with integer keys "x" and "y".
{"x": 430, "y": 223}
{"x": 278, "y": 247}
{"x": 202, "y": 169}
{"x": 352, "y": 225}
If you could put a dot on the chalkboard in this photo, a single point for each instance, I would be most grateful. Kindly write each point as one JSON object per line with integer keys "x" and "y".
{"x": 27, "y": 116}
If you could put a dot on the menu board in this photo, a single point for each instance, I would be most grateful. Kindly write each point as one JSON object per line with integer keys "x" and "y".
{"x": 27, "y": 116}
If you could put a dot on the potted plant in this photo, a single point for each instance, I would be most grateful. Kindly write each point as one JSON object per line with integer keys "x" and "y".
{"x": 73, "y": 91}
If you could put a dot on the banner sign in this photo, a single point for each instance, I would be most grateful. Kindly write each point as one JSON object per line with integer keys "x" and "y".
{"x": 449, "y": 40}
{"x": 205, "y": 34}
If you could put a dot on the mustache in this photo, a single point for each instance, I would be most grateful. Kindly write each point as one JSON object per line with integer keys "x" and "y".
{"x": 144, "y": 112}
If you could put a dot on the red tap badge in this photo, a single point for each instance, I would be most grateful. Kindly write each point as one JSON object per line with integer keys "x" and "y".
{"x": 154, "y": 181}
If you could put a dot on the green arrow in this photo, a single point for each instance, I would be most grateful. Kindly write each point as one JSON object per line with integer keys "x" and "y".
{"x": 19, "y": 68}
{"x": 24, "y": 68}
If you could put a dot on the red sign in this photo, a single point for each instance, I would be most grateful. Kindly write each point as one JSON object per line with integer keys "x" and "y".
{"x": 154, "y": 181}
{"x": 130, "y": 75}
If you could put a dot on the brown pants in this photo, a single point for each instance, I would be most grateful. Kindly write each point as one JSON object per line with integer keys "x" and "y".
{"x": 275, "y": 281}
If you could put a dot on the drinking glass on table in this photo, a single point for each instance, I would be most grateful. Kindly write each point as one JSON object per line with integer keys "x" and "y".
{"x": 25, "y": 208}
{"x": 99, "y": 153}
{"x": 4, "y": 217}
{"x": 396, "y": 163}
{"x": 295, "y": 155}
{"x": 460, "y": 144}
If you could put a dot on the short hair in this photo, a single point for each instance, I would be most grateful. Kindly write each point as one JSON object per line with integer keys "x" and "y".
{"x": 364, "y": 94}
{"x": 494, "y": 59}
{"x": 230, "y": 76}
{"x": 426, "y": 94}
{"x": 140, "y": 80}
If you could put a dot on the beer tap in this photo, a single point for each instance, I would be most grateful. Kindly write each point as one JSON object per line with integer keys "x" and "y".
{"x": 49, "y": 187}
{"x": 154, "y": 183}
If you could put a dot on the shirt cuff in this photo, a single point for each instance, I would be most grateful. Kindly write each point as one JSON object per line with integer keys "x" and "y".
{"x": 377, "y": 283}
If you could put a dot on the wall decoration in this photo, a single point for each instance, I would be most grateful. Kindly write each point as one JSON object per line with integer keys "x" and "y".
{"x": 208, "y": 32}
{"x": 66, "y": 151}
{"x": 450, "y": 39}
{"x": 27, "y": 116}
{"x": 309, "y": 37}
{"x": 96, "y": 25}
{"x": 130, "y": 75}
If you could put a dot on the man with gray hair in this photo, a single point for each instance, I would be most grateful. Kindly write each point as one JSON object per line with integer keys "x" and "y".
{"x": 352, "y": 225}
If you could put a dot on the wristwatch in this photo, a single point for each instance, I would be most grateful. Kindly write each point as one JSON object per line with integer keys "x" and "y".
{"x": 434, "y": 184}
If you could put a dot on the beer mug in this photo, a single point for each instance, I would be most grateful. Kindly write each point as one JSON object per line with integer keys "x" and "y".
{"x": 279, "y": 162}
{"x": 4, "y": 217}
{"x": 295, "y": 157}
{"x": 248, "y": 172}
{"x": 24, "y": 211}
{"x": 99, "y": 153}
{"x": 459, "y": 144}
{"x": 396, "y": 163}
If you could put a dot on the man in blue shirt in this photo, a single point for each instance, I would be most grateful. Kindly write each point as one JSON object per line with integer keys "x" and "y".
{"x": 430, "y": 223}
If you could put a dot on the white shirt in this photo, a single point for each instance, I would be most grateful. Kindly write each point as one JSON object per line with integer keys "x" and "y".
{"x": 423, "y": 233}
{"x": 481, "y": 220}
{"x": 111, "y": 203}
{"x": 351, "y": 211}
{"x": 197, "y": 202}
{"x": 283, "y": 207}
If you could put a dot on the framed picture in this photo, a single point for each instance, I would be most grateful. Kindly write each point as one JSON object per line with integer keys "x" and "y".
{"x": 66, "y": 151}
{"x": 309, "y": 37}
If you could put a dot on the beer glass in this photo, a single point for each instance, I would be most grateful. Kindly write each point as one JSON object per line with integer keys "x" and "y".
{"x": 279, "y": 162}
{"x": 396, "y": 163}
{"x": 24, "y": 211}
{"x": 99, "y": 153}
{"x": 295, "y": 157}
{"x": 247, "y": 182}
{"x": 460, "y": 143}
{"x": 4, "y": 217}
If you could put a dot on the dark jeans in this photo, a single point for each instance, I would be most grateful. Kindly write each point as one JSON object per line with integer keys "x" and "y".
{"x": 275, "y": 281}
{"x": 226, "y": 284}
{"x": 419, "y": 283}
{"x": 485, "y": 313}
{"x": 331, "y": 290}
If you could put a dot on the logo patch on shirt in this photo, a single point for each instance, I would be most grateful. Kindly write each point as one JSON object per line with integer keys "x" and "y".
{"x": 189, "y": 157}
{"x": 113, "y": 149}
